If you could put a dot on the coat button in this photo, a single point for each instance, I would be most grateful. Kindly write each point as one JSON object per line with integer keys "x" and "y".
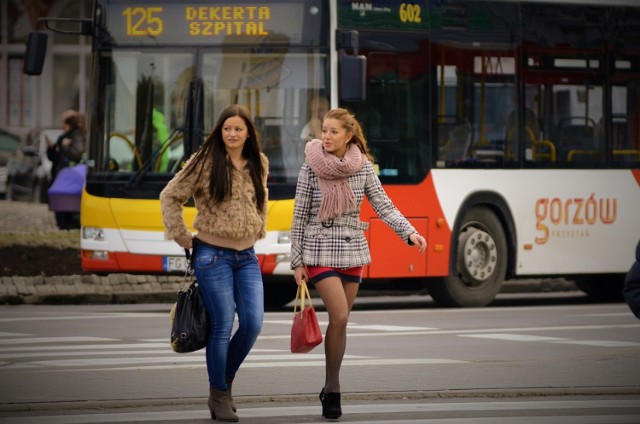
{"x": 347, "y": 239}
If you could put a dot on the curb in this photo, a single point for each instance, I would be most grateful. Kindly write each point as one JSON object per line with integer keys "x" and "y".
{"x": 133, "y": 288}
{"x": 363, "y": 396}
{"x": 168, "y": 296}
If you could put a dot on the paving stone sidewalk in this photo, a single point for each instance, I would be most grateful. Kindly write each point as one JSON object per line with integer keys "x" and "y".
{"x": 89, "y": 289}
{"x": 24, "y": 217}
{"x": 126, "y": 288}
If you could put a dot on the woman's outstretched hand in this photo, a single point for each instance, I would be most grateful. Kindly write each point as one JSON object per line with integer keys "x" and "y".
{"x": 419, "y": 241}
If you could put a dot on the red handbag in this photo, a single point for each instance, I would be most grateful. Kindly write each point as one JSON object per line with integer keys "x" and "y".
{"x": 305, "y": 330}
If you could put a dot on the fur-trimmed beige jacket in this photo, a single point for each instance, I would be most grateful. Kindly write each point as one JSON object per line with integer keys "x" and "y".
{"x": 237, "y": 218}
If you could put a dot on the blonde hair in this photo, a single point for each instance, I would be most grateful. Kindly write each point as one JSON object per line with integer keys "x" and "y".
{"x": 351, "y": 124}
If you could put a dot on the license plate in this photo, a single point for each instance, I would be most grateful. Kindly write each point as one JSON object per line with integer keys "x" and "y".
{"x": 174, "y": 263}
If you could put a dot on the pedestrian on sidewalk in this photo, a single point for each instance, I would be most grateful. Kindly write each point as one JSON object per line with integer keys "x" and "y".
{"x": 66, "y": 151}
{"x": 328, "y": 246}
{"x": 227, "y": 178}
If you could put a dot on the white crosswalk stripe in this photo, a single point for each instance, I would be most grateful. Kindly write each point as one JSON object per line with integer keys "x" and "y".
{"x": 563, "y": 340}
{"x": 20, "y": 351}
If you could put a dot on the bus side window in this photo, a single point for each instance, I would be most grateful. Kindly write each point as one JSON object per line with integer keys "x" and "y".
{"x": 624, "y": 152}
{"x": 576, "y": 137}
{"x": 454, "y": 138}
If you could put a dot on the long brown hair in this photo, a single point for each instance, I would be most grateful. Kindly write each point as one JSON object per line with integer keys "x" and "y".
{"x": 351, "y": 124}
{"x": 220, "y": 182}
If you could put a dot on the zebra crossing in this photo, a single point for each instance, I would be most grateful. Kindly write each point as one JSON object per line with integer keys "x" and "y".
{"x": 23, "y": 351}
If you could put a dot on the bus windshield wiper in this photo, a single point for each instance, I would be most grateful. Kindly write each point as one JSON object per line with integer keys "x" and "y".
{"x": 137, "y": 178}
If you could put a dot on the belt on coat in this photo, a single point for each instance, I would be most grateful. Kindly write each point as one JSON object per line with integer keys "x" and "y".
{"x": 343, "y": 221}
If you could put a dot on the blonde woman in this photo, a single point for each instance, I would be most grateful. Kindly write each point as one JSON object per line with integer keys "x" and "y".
{"x": 328, "y": 246}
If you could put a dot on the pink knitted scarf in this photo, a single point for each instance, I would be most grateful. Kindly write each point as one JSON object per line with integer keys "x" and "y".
{"x": 333, "y": 173}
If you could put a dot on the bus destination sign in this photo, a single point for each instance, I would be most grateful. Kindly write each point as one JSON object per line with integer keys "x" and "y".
{"x": 384, "y": 14}
{"x": 192, "y": 23}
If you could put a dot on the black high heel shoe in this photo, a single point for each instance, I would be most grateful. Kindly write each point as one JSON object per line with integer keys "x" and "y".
{"x": 331, "y": 408}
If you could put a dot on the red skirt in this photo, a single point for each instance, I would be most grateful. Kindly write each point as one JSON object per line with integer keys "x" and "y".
{"x": 347, "y": 275}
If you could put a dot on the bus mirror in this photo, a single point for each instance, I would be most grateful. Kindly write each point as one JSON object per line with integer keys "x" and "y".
{"x": 35, "y": 54}
{"x": 353, "y": 70}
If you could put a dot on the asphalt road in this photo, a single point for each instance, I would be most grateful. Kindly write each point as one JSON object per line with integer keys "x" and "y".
{"x": 105, "y": 360}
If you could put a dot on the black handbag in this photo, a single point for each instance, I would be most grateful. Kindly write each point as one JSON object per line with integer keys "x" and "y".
{"x": 189, "y": 319}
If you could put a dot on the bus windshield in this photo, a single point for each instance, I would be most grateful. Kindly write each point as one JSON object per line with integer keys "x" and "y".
{"x": 157, "y": 103}
{"x": 149, "y": 101}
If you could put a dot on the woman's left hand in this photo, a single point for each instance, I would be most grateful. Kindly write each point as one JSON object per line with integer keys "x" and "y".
{"x": 419, "y": 241}
{"x": 300, "y": 275}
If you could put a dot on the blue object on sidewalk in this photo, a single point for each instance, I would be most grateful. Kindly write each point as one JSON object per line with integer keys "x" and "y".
{"x": 66, "y": 190}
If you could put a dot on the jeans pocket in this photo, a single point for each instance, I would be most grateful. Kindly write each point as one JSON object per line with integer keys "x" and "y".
{"x": 206, "y": 261}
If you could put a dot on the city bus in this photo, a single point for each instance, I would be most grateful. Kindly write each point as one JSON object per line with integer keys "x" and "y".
{"x": 507, "y": 132}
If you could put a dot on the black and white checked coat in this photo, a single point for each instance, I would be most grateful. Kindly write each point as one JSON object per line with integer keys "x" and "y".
{"x": 339, "y": 243}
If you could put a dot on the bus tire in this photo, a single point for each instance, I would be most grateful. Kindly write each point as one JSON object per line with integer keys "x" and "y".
{"x": 480, "y": 264}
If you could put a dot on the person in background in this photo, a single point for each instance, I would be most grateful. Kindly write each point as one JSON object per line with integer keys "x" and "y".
{"x": 227, "y": 178}
{"x": 67, "y": 151}
{"x": 328, "y": 245}
{"x": 318, "y": 106}
{"x": 632, "y": 285}
{"x": 70, "y": 145}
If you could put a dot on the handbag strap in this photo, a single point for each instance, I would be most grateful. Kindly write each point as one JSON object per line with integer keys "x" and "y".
{"x": 189, "y": 274}
{"x": 303, "y": 295}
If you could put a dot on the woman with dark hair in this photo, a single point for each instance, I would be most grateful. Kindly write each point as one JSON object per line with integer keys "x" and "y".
{"x": 67, "y": 151}
{"x": 227, "y": 178}
{"x": 70, "y": 145}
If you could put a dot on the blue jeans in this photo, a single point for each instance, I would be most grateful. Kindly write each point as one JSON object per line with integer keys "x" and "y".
{"x": 229, "y": 281}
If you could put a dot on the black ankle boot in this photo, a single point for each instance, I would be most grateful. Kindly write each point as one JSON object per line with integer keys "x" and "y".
{"x": 331, "y": 408}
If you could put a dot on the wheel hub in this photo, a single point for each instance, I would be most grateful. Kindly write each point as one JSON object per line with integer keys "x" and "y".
{"x": 478, "y": 255}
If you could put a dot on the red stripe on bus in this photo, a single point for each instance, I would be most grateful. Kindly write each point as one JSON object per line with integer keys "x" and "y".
{"x": 636, "y": 174}
{"x": 122, "y": 262}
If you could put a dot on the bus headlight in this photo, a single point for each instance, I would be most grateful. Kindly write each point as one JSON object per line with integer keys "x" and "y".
{"x": 92, "y": 233}
{"x": 284, "y": 237}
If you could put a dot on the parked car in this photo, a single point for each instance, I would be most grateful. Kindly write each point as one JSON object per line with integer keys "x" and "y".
{"x": 30, "y": 169}
{"x": 8, "y": 144}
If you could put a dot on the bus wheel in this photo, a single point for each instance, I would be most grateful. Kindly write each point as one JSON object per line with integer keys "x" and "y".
{"x": 480, "y": 263}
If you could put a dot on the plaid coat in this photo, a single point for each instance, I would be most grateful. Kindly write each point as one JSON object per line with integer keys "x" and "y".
{"x": 339, "y": 243}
